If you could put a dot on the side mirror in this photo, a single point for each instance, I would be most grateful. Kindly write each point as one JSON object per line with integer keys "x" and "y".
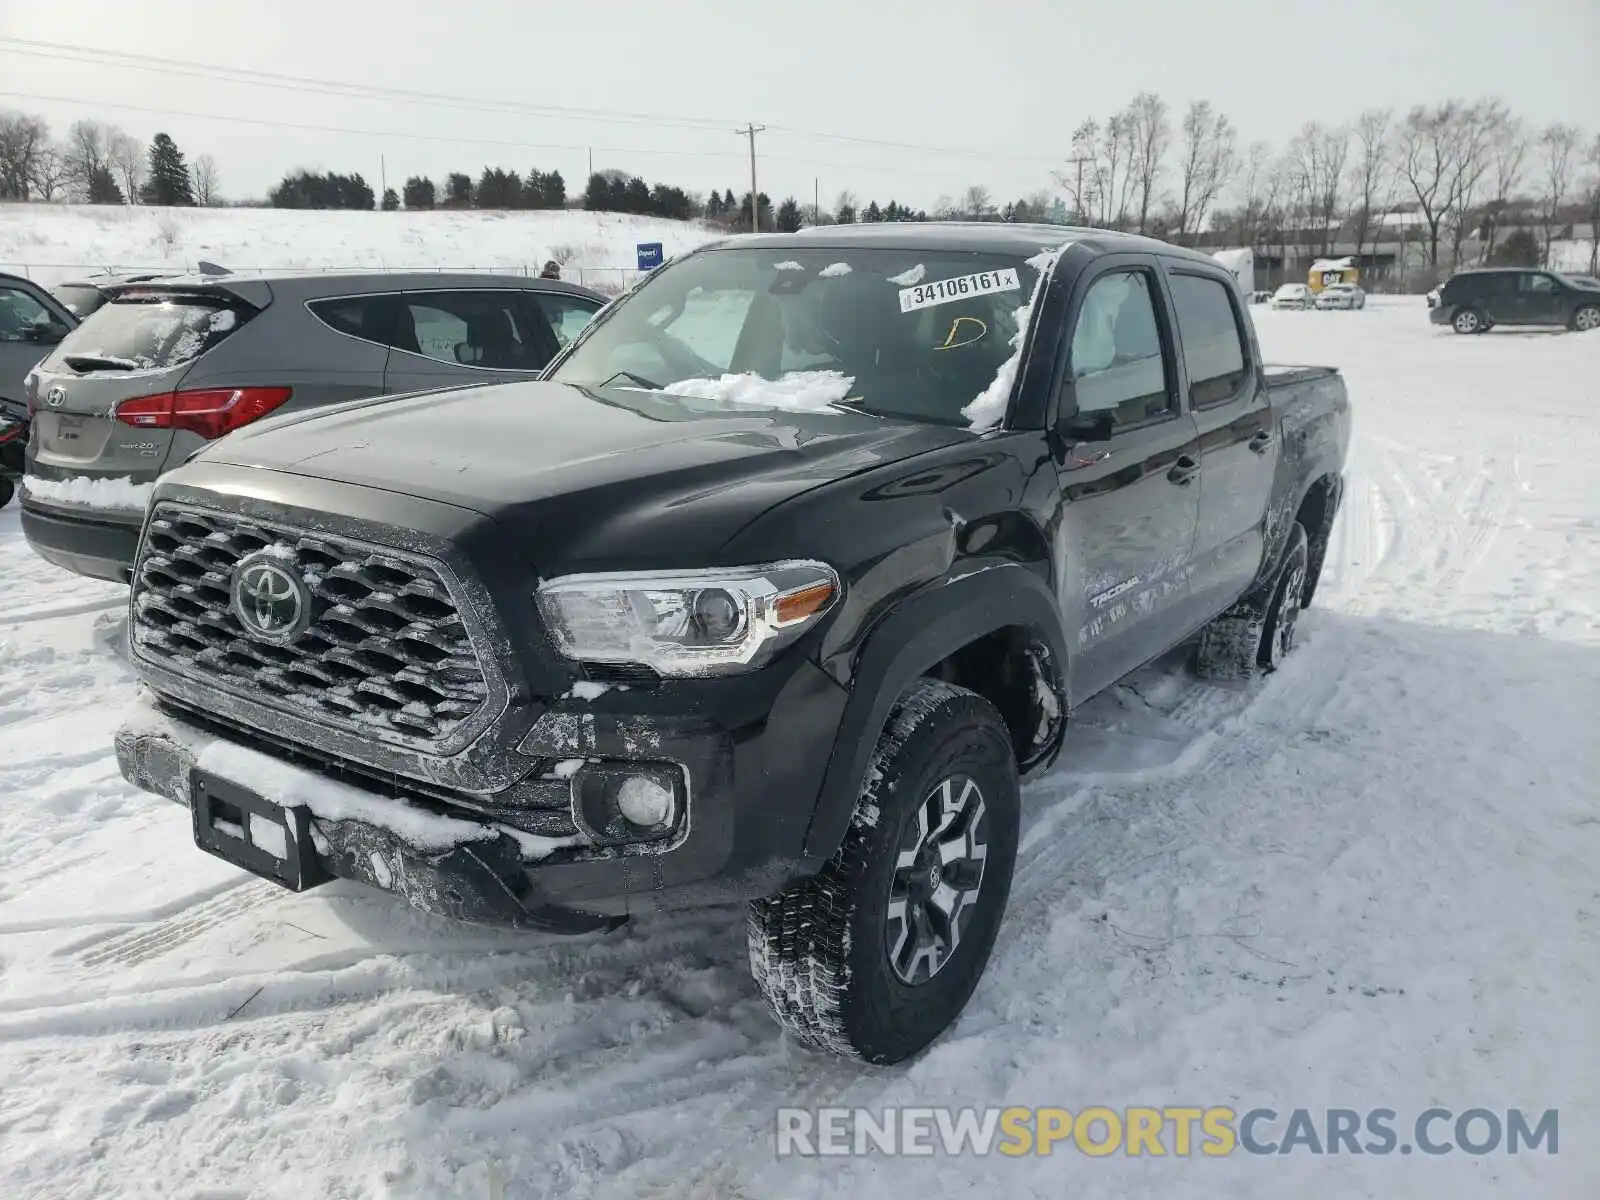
{"x": 1088, "y": 427}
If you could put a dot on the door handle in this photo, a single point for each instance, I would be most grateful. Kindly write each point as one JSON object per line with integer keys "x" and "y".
{"x": 1261, "y": 442}
{"x": 1183, "y": 471}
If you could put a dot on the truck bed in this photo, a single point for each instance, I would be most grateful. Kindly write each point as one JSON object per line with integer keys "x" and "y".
{"x": 1282, "y": 374}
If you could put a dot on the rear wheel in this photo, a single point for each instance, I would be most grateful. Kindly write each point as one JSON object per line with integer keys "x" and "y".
{"x": 878, "y": 954}
{"x": 1469, "y": 320}
{"x": 1258, "y": 632}
{"x": 1586, "y": 318}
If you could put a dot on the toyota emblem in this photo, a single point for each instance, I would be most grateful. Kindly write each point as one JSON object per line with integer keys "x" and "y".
{"x": 56, "y": 397}
{"x": 270, "y": 599}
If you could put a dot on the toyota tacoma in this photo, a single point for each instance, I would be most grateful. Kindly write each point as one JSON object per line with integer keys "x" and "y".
{"x": 772, "y": 590}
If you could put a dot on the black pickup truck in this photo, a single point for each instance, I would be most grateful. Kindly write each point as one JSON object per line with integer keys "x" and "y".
{"x": 771, "y": 590}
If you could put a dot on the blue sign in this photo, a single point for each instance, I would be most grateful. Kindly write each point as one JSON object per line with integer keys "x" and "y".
{"x": 650, "y": 256}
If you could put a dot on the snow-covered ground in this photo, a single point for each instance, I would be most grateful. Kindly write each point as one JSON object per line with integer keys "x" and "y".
{"x": 53, "y": 242}
{"x": 1369, "y": 881}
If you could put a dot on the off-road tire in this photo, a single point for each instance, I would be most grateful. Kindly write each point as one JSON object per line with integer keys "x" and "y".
{"x": 820, "y": 951}
{"x": 1257, "y": 632}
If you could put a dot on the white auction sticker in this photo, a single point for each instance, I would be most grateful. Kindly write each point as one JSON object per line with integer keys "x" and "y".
{"x": 944, "y": 291}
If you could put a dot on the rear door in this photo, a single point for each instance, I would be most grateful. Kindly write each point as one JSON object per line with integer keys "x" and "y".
{"x": 1541, "y": 299}
{"x": 450, "y": 337}
{"x": 1129, "y": 505}
{"x": 138, "y": 345}
{"x": 1497, "y": 295}
{"x": 31, "y": 323}
{"x": 1238, "y": 442}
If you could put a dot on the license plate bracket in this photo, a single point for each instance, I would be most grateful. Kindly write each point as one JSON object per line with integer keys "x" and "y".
{"x": 245, "y": 829}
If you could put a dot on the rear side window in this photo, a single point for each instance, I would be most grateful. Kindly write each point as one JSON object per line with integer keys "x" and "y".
{"x": 567, "y": 314}
{"x": 21, "y": 314}
{"x": 1213, "y": 342}
{"x": 143, "y": 331}
{"x": 81, "y": 300}
{"x": 490, "y": 330}
{"x": 370, "y": 318}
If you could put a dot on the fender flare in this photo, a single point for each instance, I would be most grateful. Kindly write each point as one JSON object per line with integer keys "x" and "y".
{"x": 920, "y": 632}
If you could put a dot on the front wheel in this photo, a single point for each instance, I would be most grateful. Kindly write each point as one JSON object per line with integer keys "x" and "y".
{"x": 1586, "y": 318}
{"x": 878, "y": 954}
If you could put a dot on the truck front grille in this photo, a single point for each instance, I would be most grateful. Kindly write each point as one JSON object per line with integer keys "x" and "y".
{"x": 384, "y": 652}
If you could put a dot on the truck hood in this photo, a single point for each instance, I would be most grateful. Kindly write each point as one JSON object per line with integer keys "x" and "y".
{"x": 581, "y": 476}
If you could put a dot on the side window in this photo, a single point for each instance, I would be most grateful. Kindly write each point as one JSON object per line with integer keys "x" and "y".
{"x": 370, "y": 318}
{"x": 567, "y": 314}
{"x": 471, "y": 329}
{"x": 1213, "y": 342}
{"x": 20, "y": 313}
{"x": 1117, "y": 365}
{"x": 1539, "y": 285}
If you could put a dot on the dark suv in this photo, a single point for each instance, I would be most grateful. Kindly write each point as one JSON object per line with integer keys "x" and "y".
{"x": 1477, "y": 301}
{"x": 166, "y": 366}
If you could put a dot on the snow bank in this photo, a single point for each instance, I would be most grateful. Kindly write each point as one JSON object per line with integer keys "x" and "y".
{"x": 799, "y": 391}
{"x": 119, "y": 494}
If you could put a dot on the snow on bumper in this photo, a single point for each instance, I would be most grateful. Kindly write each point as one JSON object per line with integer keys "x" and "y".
{"x": 467, "y": 870}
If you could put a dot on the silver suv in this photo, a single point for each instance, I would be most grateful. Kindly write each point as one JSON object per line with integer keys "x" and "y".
{"x": 166, "y": 366}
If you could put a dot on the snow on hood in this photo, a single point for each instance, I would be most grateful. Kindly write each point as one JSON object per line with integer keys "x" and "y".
{"x": 989, "y": 409}
{"x": 120, "y": 493}
{"x": 799, "y": 391}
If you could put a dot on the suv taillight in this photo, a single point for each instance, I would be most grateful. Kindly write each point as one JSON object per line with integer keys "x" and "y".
{"x": 210, "y": 412}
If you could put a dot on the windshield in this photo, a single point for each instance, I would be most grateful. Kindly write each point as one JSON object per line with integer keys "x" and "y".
{"x": 145, "y": 332}
{"x": 906, "y": 333}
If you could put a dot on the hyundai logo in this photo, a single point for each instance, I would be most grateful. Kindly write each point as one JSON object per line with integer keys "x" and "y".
{"x": 56, "y": 397}
{"x": 270, "y": 600}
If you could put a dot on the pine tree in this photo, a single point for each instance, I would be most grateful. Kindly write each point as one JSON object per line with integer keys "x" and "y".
{"x": 714, "y": 206}
{"x": 169, "y": 182}
{"x": 789, "y": 216}
{"x": 597, "y": 196}
{"x": 555, "y": 190}
{"x": 103, "y": 187}
{"x": 458, "y": 190}
{"x": 873, "y": 213}
{"x": 419, "y": 192}
{"x": 728, "y": 201}
{"x": 533, "y": 189}
{"x": 391, "y": 200}
{"x": 846, "y": 216}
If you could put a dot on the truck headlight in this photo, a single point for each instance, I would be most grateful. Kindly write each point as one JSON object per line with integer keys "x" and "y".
{"x": 713, "y": 622}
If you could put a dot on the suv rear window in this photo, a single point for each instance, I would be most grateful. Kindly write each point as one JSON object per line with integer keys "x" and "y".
{"x": 80, "y": 298}
{"x": 148, "y": 331}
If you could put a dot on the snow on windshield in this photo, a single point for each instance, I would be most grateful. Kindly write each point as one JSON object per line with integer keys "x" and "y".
{"x": 834, "y": 270}
{"x": 797, "y": 391}
{"x": 911, "y": 277}
{"x": 989, "y": 409}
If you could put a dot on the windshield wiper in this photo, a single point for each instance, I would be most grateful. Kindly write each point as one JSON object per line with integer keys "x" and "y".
{"x": 98, "y": 362}
{"x": 639, "y": 379}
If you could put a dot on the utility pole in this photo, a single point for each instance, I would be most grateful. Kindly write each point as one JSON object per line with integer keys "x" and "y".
{"x": 1077, "y": 196}
{"x": 750, "y": 132}
{"x": 383, "y": 177}
{"x": 591, "y": 163}
{"x": 816, "y": 199}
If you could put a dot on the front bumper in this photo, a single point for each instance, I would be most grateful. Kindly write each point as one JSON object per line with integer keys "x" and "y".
{"x": 98, "y": 543}
{"x": 751, "y": 793}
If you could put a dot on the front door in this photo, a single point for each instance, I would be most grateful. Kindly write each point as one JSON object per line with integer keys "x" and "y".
{"x": 1238, "y": 440}
{"x": 448, "y": 338}
{"x": 30, "y": 325}
{"x": 1129, "y": 504}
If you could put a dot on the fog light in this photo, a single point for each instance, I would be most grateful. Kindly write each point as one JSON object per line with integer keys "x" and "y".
{"x": 617, "y": 803}
{"x": 644, "y": 802}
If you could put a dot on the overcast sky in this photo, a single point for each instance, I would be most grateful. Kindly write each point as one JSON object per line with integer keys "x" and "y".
{"x": 989, "y": 91}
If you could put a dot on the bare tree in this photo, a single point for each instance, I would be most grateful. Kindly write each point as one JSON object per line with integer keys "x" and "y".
{"x": 49, "y": 174}
{"x": 1255, "y": 179}
{"x": 1371, "y": 175}
{"x": 1080, "y": 179}
{"x": 23, "y": 138}
{"x": 85, "y": 154}
{"x": 1208, "y": 160}
{"x": 1594, "y": 207}
{"x": 977, "y": 202}
{"x": 1427, "y": 152}
{"x": 1114, "y": 177}
{"x": 1474, "y": 140}
{"x": 1508, "y": 156}
{"x": 205, "y": 177}
{"x": 1150, "y": 133}
{"x": 1558, "y": 145}
{"x": 1319, "y": 154}
{"x": 127, "y": 158}
{"x": 1277, "y": 199}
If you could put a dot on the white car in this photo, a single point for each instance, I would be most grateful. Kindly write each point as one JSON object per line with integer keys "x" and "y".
{"x": 1294, "y": 295}
{"x": 1342, "y": 295}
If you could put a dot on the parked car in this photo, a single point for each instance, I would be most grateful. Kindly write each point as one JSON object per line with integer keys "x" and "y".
{"x": 1476, "y": 301}
{"x": 164, "y": 367}
{"x": 83, "y": 296}
{"x": 1294, "y": 295}
{"x": 772, "y": 590}
{"x": 1341, "y": 295}
{"x": 31, "y": 322}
